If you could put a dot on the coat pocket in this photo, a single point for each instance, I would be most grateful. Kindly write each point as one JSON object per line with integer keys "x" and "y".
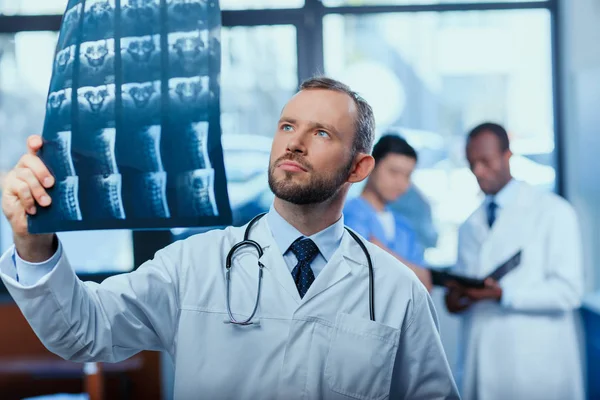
{"x": 361, "y": 357}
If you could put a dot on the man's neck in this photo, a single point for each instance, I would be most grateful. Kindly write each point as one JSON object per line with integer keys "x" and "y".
{"x": 503, "y": 186}
{"x": 310, "y": 218}
{"x": 373, "y": 199}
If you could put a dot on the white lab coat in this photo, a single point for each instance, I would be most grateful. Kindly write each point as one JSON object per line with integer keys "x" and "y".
{"x": 526, "y": 347}
{"x": 323, "y": 346}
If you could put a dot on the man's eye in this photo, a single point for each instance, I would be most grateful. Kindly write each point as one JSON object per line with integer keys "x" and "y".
{"x": 322, "y": 133}
{"x": 286, "y": 128}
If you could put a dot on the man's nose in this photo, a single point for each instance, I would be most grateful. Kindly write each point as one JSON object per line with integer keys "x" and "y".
{"x": 477, "y": 170}
{"x": 297, "y": 142}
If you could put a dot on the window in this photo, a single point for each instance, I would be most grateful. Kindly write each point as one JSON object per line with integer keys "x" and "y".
{"x": 258, "y": 75}
{"x": 429, "y": 74}
{"x": 433, "y": 76}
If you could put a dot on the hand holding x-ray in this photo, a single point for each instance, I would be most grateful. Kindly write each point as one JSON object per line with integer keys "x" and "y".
{"x": 24, "y": 193}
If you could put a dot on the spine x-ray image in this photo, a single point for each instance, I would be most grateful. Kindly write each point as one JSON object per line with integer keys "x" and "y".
{"x": 132, "y": 131}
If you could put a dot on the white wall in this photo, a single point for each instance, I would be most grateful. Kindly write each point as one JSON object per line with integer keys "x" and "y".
{"x": 580, "y": 61}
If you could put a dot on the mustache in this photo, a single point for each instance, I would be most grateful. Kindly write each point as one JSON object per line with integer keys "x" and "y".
{"x": 296, "y": 158}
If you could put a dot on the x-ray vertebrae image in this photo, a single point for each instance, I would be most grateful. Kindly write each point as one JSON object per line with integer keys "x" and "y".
{"x": 132, "y": 131}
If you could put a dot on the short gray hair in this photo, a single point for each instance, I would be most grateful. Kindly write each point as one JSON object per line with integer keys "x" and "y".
{"x": 364, "y": 134}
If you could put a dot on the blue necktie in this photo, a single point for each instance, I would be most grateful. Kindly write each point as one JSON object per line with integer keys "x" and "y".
{"x": 305, "y": 250}
{"x": 491, "y": 213}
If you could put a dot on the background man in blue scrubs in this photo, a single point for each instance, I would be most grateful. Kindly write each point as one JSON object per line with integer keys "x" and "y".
{"x": 370, "y": 215}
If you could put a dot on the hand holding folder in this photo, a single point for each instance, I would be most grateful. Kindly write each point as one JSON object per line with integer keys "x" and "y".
{"x": 441, "y": 278}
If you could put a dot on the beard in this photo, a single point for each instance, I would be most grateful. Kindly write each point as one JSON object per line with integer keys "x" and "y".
{"x": 318, "y": 189}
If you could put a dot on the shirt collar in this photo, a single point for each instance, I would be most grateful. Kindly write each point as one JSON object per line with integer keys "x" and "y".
{"x": 327, "y": 240}
{"x": 506, "y": 195}
{"x": 369, "y": 206}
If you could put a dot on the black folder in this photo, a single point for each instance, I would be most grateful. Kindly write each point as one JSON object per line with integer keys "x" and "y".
{"x": 441, "y": 278}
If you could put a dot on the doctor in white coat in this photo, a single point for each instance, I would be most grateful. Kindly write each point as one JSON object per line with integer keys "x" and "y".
{"x": 311, "y": 336}
{"x": 518, "y": 338}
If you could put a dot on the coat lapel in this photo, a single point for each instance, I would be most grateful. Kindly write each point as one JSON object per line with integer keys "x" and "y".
{"x": 336, "y": 269}
{"x": 504, "y": 238}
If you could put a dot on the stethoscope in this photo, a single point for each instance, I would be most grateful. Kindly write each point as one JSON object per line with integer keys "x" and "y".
{"x": 252, "y": 243}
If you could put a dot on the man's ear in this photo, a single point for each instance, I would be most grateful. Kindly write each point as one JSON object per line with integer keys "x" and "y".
{"x": 362, "y": 167}
{"x": 507, "y": 155}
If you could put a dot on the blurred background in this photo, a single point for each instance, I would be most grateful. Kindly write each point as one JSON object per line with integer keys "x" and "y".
{"x": 432, "y": 69}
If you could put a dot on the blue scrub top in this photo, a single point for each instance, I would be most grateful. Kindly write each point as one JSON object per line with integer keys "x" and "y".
{"x": 360, "y": 216}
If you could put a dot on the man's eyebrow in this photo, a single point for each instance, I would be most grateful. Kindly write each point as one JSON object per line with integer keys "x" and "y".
{"x": 313, "y": 125}
{"x": 286, "y": 119}
{"x": 326, "y": 127}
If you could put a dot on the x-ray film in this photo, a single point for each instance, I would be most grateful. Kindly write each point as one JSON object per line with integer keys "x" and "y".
{"x": 140, "y": 17}
{"x": 141, "y": 58}
{"x": 132, "y": 130}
